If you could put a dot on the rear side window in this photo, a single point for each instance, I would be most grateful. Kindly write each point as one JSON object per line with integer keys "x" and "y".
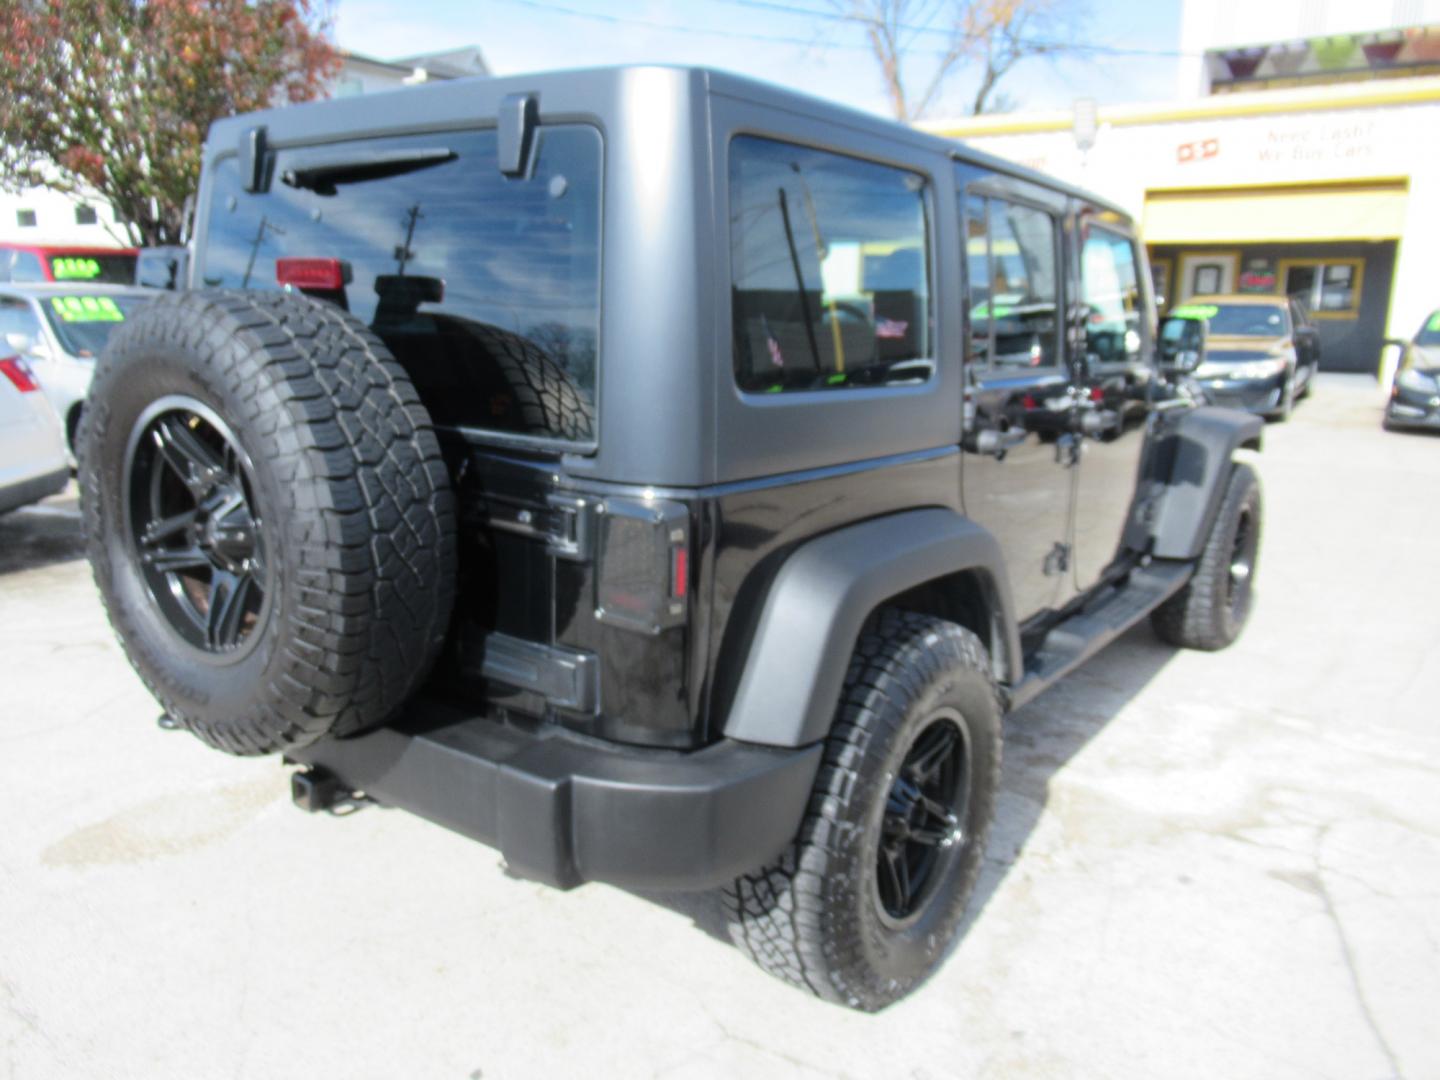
{"x": 1112, "y": 298}
{"x": 830, "y": 270}
{"x": 466, "y": 274}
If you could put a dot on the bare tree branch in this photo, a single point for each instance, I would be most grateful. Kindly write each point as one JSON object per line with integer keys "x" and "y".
{"x": 994, "y": 35}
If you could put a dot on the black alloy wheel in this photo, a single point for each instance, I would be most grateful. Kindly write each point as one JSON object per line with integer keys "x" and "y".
{"x": 868, "y": 899}
{"x": 1213, "y": 607}
{"x": 193, "y": 521}
{"x": 1241, "y": 570}
{"x": 922, "y": 830}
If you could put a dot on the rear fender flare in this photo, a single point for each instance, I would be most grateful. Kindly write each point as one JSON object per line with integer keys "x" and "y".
{"x": 820, "y": 599}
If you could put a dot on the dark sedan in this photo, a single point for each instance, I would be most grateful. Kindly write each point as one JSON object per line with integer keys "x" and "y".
{"x": 1261, "y": 352}
{"x": 1415, "y": 393}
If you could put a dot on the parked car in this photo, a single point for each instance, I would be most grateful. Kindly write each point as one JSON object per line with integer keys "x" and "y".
{"x": 1261, "y": 352}
{"x": 60, "y": 329}
{"x": 33, "y": 463}
{"x": 666, "y": 478}
{"x": 1415, "y": 390}
{"x": 23, "y": 263}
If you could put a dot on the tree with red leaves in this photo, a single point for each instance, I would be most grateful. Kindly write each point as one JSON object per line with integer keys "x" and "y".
{"x": 112, "y": 98}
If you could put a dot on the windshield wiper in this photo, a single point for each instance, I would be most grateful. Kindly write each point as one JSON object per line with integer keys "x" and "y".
{"x": 321, "y": 172}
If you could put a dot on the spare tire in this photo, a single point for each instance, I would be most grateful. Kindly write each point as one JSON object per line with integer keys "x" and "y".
{"x": 268, "y": 517}
{"x": 527, "y": 391}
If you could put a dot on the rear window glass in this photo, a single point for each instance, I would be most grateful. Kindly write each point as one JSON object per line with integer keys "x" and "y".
{"x": 462, "y": 271}
{"x": 830, "y": 264}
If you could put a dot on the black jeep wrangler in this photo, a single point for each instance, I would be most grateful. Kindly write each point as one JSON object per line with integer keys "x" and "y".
{"x": 669, "y": 480}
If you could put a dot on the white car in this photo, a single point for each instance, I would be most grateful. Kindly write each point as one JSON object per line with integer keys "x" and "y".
{"x": 33, "y": 459}
{"x": 59, "y": 330}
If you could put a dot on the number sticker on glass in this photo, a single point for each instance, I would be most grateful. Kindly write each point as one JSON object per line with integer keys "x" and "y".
{"x": 70, "y": 268}
{"x": 87, "y": 309}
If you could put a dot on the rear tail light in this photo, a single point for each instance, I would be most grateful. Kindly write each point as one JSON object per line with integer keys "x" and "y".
{"x": 19, "y": 373}
{"x": 643, "y": 572}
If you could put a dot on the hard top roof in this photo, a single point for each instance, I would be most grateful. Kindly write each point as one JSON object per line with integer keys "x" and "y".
{"x": 225, "y": 132}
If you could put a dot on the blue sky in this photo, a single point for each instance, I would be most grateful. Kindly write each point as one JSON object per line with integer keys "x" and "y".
{"x": 811, "y": 54}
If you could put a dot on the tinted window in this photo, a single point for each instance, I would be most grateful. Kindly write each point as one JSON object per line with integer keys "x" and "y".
{"x": 1011, "y": 258}
{"x": 462, "y": 271}
{"x": 1112, "y": 298}
{"x": 830, "y": 260}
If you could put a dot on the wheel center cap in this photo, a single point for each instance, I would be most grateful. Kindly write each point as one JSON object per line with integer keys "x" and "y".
{"x": 229, "y": 538}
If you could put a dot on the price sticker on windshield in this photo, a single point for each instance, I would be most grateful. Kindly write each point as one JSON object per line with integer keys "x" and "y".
{"x": 1434, "y": 324}
{"x": 81, "y": 309}
{"x": 1195, "y": 311}
{"x": 71, "y": 268}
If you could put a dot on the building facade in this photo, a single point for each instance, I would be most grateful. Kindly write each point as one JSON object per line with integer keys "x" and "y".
{"x": 1279, "y": 175}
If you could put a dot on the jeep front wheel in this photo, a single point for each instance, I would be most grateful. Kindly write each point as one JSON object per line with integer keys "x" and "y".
{"x": 268, "y": 517}
{"x": 1210, "y": 611}
{"x": 864, "y": 904}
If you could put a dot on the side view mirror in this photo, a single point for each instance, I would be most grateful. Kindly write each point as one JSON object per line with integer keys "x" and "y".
{"x": 1182, "y": 342}
{"x": 1399, "y": 343}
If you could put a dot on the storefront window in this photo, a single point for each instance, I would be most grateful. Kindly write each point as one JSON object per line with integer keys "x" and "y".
{"x": 1326, "y": 287}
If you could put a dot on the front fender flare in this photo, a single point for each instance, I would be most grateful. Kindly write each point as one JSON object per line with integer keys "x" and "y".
{"x": 1199, "y": 455}
{"x": 822, "y": 595}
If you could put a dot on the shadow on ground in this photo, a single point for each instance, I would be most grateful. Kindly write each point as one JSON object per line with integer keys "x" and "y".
{"x": 43, "y": 534}
{"x": 1040, "y": 740}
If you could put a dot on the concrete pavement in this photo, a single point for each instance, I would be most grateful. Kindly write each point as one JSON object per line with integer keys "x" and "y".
{"x": 1204, "y": 865}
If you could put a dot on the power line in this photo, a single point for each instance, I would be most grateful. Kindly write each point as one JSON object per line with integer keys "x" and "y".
{"x": 835, "y": 16}
{"x": 781, "y": 39}
{"x": 622, "y": 20}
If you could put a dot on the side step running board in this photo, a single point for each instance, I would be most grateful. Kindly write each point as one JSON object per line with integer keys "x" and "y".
{"x": 1070, "y": 643}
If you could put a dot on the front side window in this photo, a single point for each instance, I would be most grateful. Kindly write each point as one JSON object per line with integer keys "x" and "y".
{"x": 1011, "y": 257}
{"x": 467, "y": 275}
{"x": 1111, "y": 296}
{"x": 830, "y": 270}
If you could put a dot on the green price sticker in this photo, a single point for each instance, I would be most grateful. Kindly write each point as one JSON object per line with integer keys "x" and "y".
{"x": 87, "y": 309}
{"x": 69, "y": 268}
{"x": 1434, "y": 324}
{"x": 983, "y": 310}
{"x": 1195, "y": 311}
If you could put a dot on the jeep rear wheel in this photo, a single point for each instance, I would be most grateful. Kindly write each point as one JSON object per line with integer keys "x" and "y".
{"x": 268, "y": 517}
{"x": 865, "y": 903}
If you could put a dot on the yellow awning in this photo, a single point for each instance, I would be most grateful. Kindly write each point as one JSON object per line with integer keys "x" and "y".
{"x": 1360, "y": 210}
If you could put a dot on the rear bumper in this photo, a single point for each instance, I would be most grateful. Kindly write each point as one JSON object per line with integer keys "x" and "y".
{"x": 564, "y": 810}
